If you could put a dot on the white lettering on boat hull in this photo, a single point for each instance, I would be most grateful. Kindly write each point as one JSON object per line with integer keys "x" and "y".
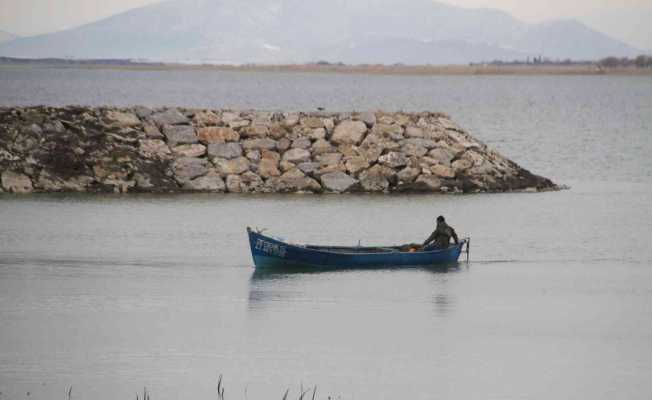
{"x": 272, "y": 249}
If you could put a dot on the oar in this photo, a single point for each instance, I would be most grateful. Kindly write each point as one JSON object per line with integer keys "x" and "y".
{"x": 468, "y": 246}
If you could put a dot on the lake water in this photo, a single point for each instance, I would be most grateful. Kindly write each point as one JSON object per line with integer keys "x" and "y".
{"x": 109, "y": 294}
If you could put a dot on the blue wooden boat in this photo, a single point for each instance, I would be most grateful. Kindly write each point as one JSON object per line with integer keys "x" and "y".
{"x": 271, "y": 253}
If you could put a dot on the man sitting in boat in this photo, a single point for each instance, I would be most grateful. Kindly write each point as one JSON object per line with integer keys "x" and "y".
{"x": 441, "y": 237}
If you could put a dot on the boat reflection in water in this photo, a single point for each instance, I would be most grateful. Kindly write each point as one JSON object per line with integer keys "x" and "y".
{"x": 295, "y": 289}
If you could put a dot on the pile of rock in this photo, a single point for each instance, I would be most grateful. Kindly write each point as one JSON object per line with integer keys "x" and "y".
{"x": 138, "y": 149}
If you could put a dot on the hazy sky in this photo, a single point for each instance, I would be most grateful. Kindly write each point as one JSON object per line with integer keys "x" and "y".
{"x": 627, "y": 20}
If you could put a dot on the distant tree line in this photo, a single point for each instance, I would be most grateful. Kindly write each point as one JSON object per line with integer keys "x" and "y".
{"x": 638, "y": 62}
{"x": 540, "y": 60}
{"x": 73, "y": 61}
{"x": 641, "y": 61}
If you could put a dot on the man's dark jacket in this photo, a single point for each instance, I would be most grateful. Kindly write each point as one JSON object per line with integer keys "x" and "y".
{"x": 442, "y": 236}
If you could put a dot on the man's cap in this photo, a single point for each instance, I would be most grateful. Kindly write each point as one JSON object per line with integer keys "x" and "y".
{"x": 440, "y": 218}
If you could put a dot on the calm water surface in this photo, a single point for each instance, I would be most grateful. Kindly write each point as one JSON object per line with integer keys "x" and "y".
{"x": 108, "y": 294}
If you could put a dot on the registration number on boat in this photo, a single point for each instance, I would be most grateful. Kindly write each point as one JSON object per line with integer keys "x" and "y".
{"x": 271, "y": 248}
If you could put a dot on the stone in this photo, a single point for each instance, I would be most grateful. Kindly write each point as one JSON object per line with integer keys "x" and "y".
{"x": 228, "y": 117}
{"x": 250, "y": 182}
{"x": 169, "y": 117}
{"x": 348, "y": 150}
{"x": 268, "y": 167}
{"x": 373, "y": 180}
{"x": 294, "y": 173}
{"x": 7, "y": 156}
{"x": 187, "y": 168}
{"x": 408, "y": 174}
{"x": 35, "y": 130}
{"x": 296, "y": 180}
{"x": 179, "y": 134}
{"x": 254, "y": 131}
{"x": 329, "y": 159}
{"x": 253, "y": 155}
{"x": 338, "y": 182}
{"x": 403, "y": 119}
{"x": 322, "y": 146}
{"x": 262, "y": 118}
{"x": 124, "y": 139}
{"x": 272, "y": 155}
{"x": 420, "y": 142}
{"x": 235, "y": 166}
{"x": 122, "y": 119}
{"x": 393, "y": 131}
{"x": 319, "y": 133}
{"x": 215, "y": 134}
{"x": 155, "y": 147}
{"x": 373, "y": 139}
{"x": 296, "y": 155}
{"x": 327, "y": 169}
{"x": 206, "y": 118}
{"x": 448, "y": 124}
{"x": 14, "y": 182}
{"x": 461, "y": 165}
{"x": 312, "y": 122}
{"x": 301, "y": 143}
{"x": 277, "y": 131}
{"x": 368, "y": 118}
{"x": 211, "y": 182}
{"x": 54, "y": 126}
{"x": 463, "y": 140}
{"x": 151, "y": 131}
{"x": 386, "y": 119}
{"x": 308, "y": 167}
{"x": 413, "y": 150}
{"x": 240, "y": 123}
{"x": 234, "y": 184}
{"x": 50, "y": 183}
{"x": 143, "y": 181}
{"x": 328, "y": 124}
{"x": 290, "y": 119}
{"x": 371, "y": 153}
{"x": 283, "y": 144}
{"x": 259, "y": 144}
{"x": 474, "y": 157}
{"x": 225, "y": 150}
{"x": 434, "y": 134}
{"x": 124, "y": 149}
{"x": 356, "y": 164}
{"x": 190, "y": 150}
{"x": 414, "y": 132}
{"x": 119, "y": 186}
{"x": 349, "y": 132}
{"x": 286, "y": 166}
{"x": 142, "y": 111}
{"x": 429, "y": 182}
{"x": 442, "y": 171}
{"x": 393, "y": 159}
{"x": 486, "y": 170}
{"x": 442, "y": 155}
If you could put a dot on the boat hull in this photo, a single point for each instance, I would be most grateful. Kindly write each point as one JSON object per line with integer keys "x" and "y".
{"x": 270, "y": 253}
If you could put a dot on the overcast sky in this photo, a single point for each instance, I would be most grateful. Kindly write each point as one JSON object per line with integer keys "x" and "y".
{"x": 628, "y": 20}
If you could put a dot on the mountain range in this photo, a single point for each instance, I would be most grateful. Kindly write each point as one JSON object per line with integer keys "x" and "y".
{"x": 298, "y": 31}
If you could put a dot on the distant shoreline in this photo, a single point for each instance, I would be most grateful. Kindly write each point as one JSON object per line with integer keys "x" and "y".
{"x": 479, "y": 69}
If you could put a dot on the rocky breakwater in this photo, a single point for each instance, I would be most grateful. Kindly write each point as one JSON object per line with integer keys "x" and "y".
{"x": 82, "y": 149}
